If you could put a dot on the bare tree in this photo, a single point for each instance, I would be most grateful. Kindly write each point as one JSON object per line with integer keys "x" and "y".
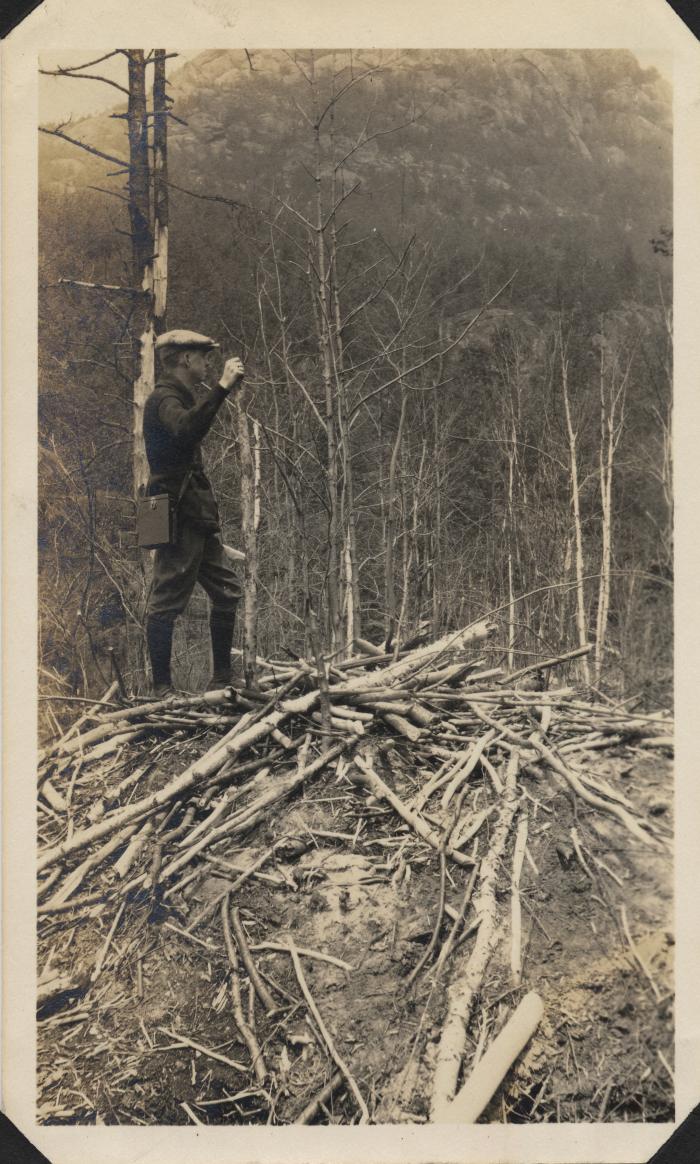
{"x": 147, "y": 199}
{"x": 572, "y": 436}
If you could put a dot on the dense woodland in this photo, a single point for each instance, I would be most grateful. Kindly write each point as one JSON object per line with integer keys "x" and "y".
{"x": 449, "y": 277}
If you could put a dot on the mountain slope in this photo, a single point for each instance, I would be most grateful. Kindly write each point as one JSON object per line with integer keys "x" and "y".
{"x": 519, "y": 148}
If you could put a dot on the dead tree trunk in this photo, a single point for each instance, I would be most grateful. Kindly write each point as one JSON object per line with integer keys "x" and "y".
{"x": 576, "y": 507}
{"x": 160, "y": 193}
{"x": 250, "y": 541}
{"x": 141, "y": 252}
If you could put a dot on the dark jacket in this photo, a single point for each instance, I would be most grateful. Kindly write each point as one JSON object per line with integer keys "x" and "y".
{"x": 175, "y": 420}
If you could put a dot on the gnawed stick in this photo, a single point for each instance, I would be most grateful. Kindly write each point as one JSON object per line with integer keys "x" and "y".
{"x": 464, "y": 770}
{"x": 457, "y": 922}
{"x": 637, "y": 956}
{"x": 516, "y": 953}
{"x": 402, "y": 726}
{"x": 182, "y": 1041}
{"x": 53, "y": 797}
{"x": 436, "y": 928}
{"x": 369, "y": 778}
{"x": 472, "y": 1098}
{"x": 312, "y": 1107}
{"x": 104, "y": 732}
{"x": 547, "y": 663}
{"x": 370, "y": 649}
{"x": 314, "y": 955}
{"x": 174, "y": 703}
{"x": 195, "y": 1119}
{"x": 259, "y": 986}
{"x": 570, "y": 777}
{"x": 90, "y": 713}
{"x": 339, "y": 723}
{"x": 579, "y": 854}
{"x": 326, "y": 1035}
{"x": 123, "y": 865}
{"x": 251, "y": 1041}
{"x": 467, "y": 978}
{"x": 107, "y": 943}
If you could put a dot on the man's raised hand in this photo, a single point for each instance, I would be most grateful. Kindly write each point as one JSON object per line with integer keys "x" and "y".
{"x": 232, "y": 375}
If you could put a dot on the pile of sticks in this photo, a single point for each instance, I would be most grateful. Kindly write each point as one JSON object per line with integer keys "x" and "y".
{"x": 124, "y": 820}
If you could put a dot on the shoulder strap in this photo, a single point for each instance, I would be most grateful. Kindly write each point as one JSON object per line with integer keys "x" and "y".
{"x": 185, "y": 482}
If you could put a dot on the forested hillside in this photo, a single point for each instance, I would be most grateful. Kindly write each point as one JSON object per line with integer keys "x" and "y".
{"x": 449, "y": 277}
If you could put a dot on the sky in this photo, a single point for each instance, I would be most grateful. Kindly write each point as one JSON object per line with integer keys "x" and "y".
{"x": 63, "y": 98}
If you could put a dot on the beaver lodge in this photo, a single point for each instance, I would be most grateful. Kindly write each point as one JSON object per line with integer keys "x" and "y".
{"x": 409, "y": 888}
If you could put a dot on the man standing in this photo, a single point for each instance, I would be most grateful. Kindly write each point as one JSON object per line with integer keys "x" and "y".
{"x": 177, "y": 416}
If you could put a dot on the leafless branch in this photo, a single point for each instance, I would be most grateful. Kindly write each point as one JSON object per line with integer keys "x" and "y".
{"x": 83, "y": 77}
{"x": 84, "y": 146}
{"x": 95, "y": 286}
{"x": 435, "y": 355}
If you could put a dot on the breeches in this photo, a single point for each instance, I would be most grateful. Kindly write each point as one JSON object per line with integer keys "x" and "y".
{"x": 198, "y": 556}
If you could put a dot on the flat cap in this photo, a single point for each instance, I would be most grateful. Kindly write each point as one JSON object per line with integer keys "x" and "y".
{"x": 185, "y": 339}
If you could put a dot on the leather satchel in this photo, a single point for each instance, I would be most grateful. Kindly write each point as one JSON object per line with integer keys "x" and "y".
{"x": 156, "y": 518}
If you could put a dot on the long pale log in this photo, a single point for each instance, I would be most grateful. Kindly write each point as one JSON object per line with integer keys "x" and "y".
{"x": 394, "y": 707}
{"x": 492, "y": 1068}
{"x": 203, "y": 767}
{"x": 467, "y": 978}
{"x": 446, "y": 676}
{"x": 174, "y": 703}
{"x": 358, "y": 696}
{"x": 103, "y": 731}
{"x": 516, "y": 952}
{"x": 422, "y": 657}
{"x": 352, "y": 713}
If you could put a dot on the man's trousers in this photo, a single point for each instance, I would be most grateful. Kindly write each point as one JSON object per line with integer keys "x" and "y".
{"x": 197, "y": 556}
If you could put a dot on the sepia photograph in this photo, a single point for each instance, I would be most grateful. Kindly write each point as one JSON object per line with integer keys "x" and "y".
{"x": 355, "y": 587}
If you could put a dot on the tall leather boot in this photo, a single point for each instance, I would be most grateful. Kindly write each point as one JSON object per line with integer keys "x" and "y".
{"x": 221, "y": 624}
{"x": 159, "y": 637}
